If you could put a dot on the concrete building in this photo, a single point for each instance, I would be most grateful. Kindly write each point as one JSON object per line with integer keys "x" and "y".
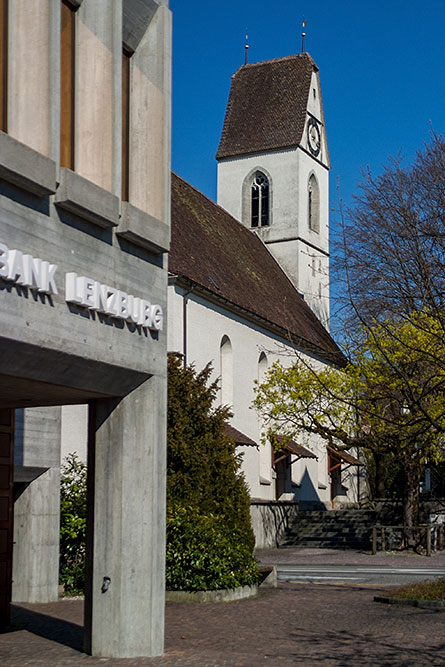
{"x": 85, "y": 95}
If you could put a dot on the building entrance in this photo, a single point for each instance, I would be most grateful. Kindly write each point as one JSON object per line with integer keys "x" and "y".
{"x": 6, "y": 511}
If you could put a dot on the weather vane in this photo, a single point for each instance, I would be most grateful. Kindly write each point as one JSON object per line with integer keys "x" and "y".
{"x": 246, "y": 49}
{"x": 303, "y": 35}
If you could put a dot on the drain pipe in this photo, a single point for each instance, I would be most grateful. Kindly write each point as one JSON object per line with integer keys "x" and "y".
{"x": 184, "y": 324}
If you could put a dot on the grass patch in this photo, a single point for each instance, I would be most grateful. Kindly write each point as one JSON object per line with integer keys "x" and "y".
{"x": 424, "y": 590}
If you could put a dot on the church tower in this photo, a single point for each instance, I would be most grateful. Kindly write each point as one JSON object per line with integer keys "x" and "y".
{"x": 273, "y": 168}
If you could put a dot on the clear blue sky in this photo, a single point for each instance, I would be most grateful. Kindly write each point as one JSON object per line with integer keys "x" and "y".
{"x": 381, "y": 67}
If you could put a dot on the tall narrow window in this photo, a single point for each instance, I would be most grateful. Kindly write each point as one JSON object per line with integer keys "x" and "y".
{"x": 313, "y": 204}
{"x": 126, "y": 56}
{"x": 260, "y": 201}
{"x": 226, "y": 365}
{"x": 67, "y": 65}
{"x": 3, "y": 65}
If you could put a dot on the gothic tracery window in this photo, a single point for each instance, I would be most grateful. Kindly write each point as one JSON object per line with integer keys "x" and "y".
{"x": 260, "y": 200}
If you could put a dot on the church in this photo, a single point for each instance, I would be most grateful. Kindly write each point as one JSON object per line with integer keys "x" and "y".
{"x": 249, "y": 282}
{"x": 249, "y": 278}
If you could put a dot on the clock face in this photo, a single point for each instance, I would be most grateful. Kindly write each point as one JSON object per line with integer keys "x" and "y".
{"x": 313, "y": 136}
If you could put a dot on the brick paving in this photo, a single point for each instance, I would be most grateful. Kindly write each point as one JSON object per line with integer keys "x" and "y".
{"x": 295, "y": 624}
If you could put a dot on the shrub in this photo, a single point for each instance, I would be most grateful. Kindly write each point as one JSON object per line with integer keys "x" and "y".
{"x": 203, "y": 553}
{"x": 73, "y": 504}
{"x": 209, "y": 534}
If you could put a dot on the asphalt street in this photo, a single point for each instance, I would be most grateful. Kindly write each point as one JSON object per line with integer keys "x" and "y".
{"x": 379, "y": 575}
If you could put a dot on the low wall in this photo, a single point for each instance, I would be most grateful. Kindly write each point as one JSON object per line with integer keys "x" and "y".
{"x": 270, "y": 520}
{"x": 390, "y": 512}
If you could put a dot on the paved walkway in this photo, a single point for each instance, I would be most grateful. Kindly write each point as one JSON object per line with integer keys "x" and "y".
{"x": 295, "y": 624}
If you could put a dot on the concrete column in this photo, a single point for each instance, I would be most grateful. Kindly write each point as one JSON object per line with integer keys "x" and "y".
{"x": 124, "y": 610}
{"x": 35, "y": 571}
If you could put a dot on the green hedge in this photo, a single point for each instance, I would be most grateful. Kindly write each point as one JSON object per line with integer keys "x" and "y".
{"x": 204, "y": 554}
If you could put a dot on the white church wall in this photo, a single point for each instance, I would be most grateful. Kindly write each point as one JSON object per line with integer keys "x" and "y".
{"x": 207, "y": 325}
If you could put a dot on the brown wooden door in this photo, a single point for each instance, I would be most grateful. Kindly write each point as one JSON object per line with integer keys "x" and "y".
{"x": 6, "y": 511}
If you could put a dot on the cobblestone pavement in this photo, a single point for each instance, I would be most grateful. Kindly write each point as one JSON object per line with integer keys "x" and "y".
{"x": 295, "y": 624}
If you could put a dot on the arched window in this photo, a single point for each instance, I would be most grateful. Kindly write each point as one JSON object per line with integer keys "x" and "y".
{"x": 259, "y": 200}
{"x": 313, "y": 206}
{"x": 262, "y": 367}
{"x": 226, "y": 366}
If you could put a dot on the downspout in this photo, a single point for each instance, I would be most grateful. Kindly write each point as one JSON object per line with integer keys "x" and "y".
{"x": 184, "y": 325}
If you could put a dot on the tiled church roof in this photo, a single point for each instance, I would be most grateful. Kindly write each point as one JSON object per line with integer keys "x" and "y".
{"x": 267, "y": 106}
{"x": 218, "y": 253}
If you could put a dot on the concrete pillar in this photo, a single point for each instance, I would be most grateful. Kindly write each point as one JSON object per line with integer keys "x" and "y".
{"x": 124, "y": 610}
{"x": 35, "y": 570}
{"x": 36, "y": 508}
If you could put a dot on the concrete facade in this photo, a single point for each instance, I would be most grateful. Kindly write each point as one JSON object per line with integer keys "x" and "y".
{"x": 83, "y": 306}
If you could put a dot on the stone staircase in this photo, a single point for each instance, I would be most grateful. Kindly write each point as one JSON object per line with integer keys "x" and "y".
{"x": 332, "y": 529}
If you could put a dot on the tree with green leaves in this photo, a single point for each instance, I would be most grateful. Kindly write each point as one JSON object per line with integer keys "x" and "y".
{"x": 73, "y": 519}
{"x": 209, "y": 535}
{"x": 386, "y": 400}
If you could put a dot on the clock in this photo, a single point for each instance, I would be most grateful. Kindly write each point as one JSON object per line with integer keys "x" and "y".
{"x": 313, "y": 136}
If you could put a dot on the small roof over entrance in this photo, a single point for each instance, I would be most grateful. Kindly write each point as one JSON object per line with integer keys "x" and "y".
{"x": 292, "y": 447}
{"x": 239, "y": 437}
{"x": 344, "y": 456}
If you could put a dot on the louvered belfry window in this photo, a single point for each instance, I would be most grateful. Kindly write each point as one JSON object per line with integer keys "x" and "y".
{"x": 260, "y": 200}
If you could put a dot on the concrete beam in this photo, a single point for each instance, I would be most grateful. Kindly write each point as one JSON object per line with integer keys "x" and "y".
{"x": 87, "y": 200}
{"x": 143, "y": 229}
{"x": 125, "y": 595}
{"x": 25, "y": 167}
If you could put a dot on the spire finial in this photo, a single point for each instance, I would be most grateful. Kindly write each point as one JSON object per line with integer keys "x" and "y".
{"x": 246, "y": 49}
{"x": 303, "y": 35}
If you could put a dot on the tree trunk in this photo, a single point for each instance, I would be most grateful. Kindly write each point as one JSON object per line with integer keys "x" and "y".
{"x": 380, "y": 469}
{"x": 410, "y": 503}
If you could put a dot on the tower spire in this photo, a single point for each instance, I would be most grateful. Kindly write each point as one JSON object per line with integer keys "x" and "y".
{"x": 303, "y": 35}
{"x": 246, "y": 49}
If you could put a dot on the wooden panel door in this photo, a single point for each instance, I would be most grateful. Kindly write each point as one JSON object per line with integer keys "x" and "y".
{"x": 6, "y": 511}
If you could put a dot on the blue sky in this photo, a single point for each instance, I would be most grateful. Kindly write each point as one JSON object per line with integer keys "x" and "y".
{"x": 380, "y": 65}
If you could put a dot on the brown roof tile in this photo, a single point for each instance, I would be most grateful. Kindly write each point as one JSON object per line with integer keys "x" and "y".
{"x": 294, "y": 448}
{"x": 239, "y": 437}
{"x": 218, "y": 253}
{"x": 267, "y": 106}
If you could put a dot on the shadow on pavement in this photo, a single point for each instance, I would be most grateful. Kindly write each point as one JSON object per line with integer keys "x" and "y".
{"x": 48, "y": 627}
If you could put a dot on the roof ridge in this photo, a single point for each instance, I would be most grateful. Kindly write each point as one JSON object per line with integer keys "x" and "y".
{"x": 293, "y": 56}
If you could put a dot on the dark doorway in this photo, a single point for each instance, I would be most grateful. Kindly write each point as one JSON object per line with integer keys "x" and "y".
{"x": 6, "y": 511}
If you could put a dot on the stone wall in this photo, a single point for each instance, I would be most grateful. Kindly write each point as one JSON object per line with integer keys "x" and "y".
{"x": 270, "y": 520}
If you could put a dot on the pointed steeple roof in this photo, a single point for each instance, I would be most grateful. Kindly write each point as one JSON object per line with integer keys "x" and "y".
{"x": 267, "y": 106}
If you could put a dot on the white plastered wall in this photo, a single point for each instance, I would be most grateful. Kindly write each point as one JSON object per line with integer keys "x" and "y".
{"x": 207, "y": 324}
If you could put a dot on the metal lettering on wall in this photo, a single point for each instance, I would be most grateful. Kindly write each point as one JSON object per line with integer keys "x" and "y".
{"x": 38, "y": 274}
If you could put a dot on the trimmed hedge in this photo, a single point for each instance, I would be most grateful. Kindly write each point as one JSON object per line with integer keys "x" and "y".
{"x": 203, "y": 554}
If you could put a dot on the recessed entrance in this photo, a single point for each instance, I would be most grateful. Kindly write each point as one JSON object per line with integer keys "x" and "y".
{"x": 6, "y": 511}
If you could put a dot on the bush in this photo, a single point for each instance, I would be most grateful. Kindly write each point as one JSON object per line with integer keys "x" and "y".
{"x": 209, "y": 535}
{"x": 204, "y": 554}
{"x": 73, "y": 508}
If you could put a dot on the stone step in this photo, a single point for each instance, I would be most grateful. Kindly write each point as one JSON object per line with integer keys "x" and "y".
{"x": 331, "y": 529}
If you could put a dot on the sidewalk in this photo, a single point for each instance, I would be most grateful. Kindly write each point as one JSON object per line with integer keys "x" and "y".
{"x": 348, "y": 557}
{"x": 295, "y": 624}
